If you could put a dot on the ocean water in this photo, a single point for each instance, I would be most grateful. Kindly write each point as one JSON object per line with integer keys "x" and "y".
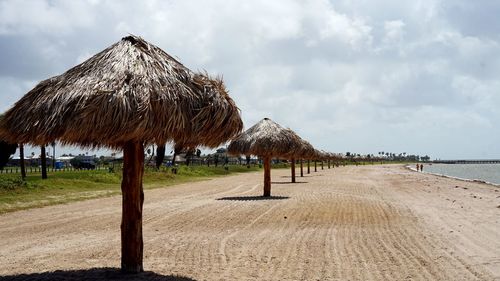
{"x": 484, "y": 172}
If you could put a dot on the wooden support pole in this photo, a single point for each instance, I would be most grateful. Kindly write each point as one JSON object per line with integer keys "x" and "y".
{"x": 293, "y": 170}
{"x": 308, "y": 166}
{"x": 267, "y": 176}
{"x": 43, "y": 158}
{"x": 21, "y": 156}
{"x": 301, "y": 168}
{"x": 132, "y": 200}
{"x": 315, "y": 165}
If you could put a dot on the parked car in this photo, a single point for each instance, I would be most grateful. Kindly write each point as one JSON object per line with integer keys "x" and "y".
{"x": 83, "y": 162}
{"x": 89, "y": 165}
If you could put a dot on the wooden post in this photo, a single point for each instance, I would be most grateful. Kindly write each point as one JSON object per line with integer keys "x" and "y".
{"x": 267, "y": 176}
{"x": 301, "y": 168}
{"x": 293, "y": 169}
{"x": 43, "y": 158}
{"x": 21, "y": 156}
{"x": 308, "y": 166}
{"x": 322, "y": 165}
{"x": 53, "y": 156}
{"x": 328, "y": 163}
{"x": 315, "y": 166}
{"x": 132, "y": 200}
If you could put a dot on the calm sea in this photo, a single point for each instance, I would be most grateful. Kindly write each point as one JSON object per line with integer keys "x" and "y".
{"x": 485, "y": 172}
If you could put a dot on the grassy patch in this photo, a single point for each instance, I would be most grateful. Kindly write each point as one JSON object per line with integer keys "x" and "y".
{"x": 68, "y": 186}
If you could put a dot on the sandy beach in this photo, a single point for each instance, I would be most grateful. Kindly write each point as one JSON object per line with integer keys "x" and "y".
{"x": 348, "y": 223}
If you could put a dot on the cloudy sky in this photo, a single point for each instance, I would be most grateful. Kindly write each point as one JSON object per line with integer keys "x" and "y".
{"x": 421, "y": 77}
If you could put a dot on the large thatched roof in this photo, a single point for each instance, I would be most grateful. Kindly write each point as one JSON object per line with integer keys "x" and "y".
{"x": 131, "y": 91}
{"x": 319, "y": 154}
{"x": 307, "y": 150}
{"x": 304, "y": 151}
{"x": 266, "y": 138}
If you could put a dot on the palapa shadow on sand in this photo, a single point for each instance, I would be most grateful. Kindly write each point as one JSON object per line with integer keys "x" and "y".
{"x": 252, "y": 198}
{"x": 304, "y": 176}
{"x": 287, "y": 182}
{"x": 94, "y": 274}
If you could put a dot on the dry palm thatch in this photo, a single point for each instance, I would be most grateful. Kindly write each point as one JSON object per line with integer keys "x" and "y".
{"x": 266, "y": 139}
{"x": 318, "y": 154}
{"x": 6, "y": 150}
{"x": 130, "y": 94}
{"x": 329, "y": 155}
{"x": 325, "y": 154}
{"x": 315, "y": 157}
{"x": 337, "y": 156}
{"x": 131, "y": 91}
{"x": 329, "y": 158}
{"x": 306, "y": 152}
{"x": 298, "y": 153}
{"x": 334, "y": 157}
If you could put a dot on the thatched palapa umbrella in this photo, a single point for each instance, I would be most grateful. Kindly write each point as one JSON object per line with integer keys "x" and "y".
{"x": 306, "y": 151}
{"x": 128, "y": 95}
{"x": 332, "y": 157}
{"x": 266, "y": 139}
{"x": 323, "y": 156}
{"x": 317, "y": 156}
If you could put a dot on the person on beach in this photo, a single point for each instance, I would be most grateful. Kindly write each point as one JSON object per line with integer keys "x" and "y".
{"x": 418, "y": 167}
{"x": 421, "y": 167}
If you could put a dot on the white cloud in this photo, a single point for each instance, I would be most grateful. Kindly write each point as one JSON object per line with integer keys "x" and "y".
{"x": 347, "y": 30}
{"x": 30, "y": 17}
{"x": 394, "y": 31}
{"x": 12, "y": 90}
{"x": 348, "y": 75}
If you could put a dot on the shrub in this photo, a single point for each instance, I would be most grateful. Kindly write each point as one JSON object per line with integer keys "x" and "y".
{"x": 12, "y": 182}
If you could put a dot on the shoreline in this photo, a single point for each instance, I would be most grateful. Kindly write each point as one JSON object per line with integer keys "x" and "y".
{"x": 453, "y": 177}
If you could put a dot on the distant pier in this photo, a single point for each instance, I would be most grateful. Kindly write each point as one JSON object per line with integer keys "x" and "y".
{"x": 481, "y": 161}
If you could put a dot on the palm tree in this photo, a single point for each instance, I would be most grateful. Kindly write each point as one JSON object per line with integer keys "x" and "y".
{"x": 53, "y": 154}
{"x": 43, "y": 158}
{"x": 177, "y": 150}
{"x": 6, "y": 150}
{"x": 21, "y": 159}
{"x": 247, "y": 157}
{"x": 160, "y": 155}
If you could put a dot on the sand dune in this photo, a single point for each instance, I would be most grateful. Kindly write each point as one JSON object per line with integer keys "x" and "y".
{"x": 348, "y": 223}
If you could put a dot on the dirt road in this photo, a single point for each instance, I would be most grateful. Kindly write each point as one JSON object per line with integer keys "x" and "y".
{"x": 348, "y": 223}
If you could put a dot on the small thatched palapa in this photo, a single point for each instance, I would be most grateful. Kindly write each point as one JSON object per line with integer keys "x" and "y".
{"x": 130, "y": 94}
{"x": 305, "y": 152}
{"x": 266, "y": 139}
{"x": 131, "y": 91}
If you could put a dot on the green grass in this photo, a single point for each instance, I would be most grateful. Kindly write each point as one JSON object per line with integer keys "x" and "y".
{"x": 63, "y": 187}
